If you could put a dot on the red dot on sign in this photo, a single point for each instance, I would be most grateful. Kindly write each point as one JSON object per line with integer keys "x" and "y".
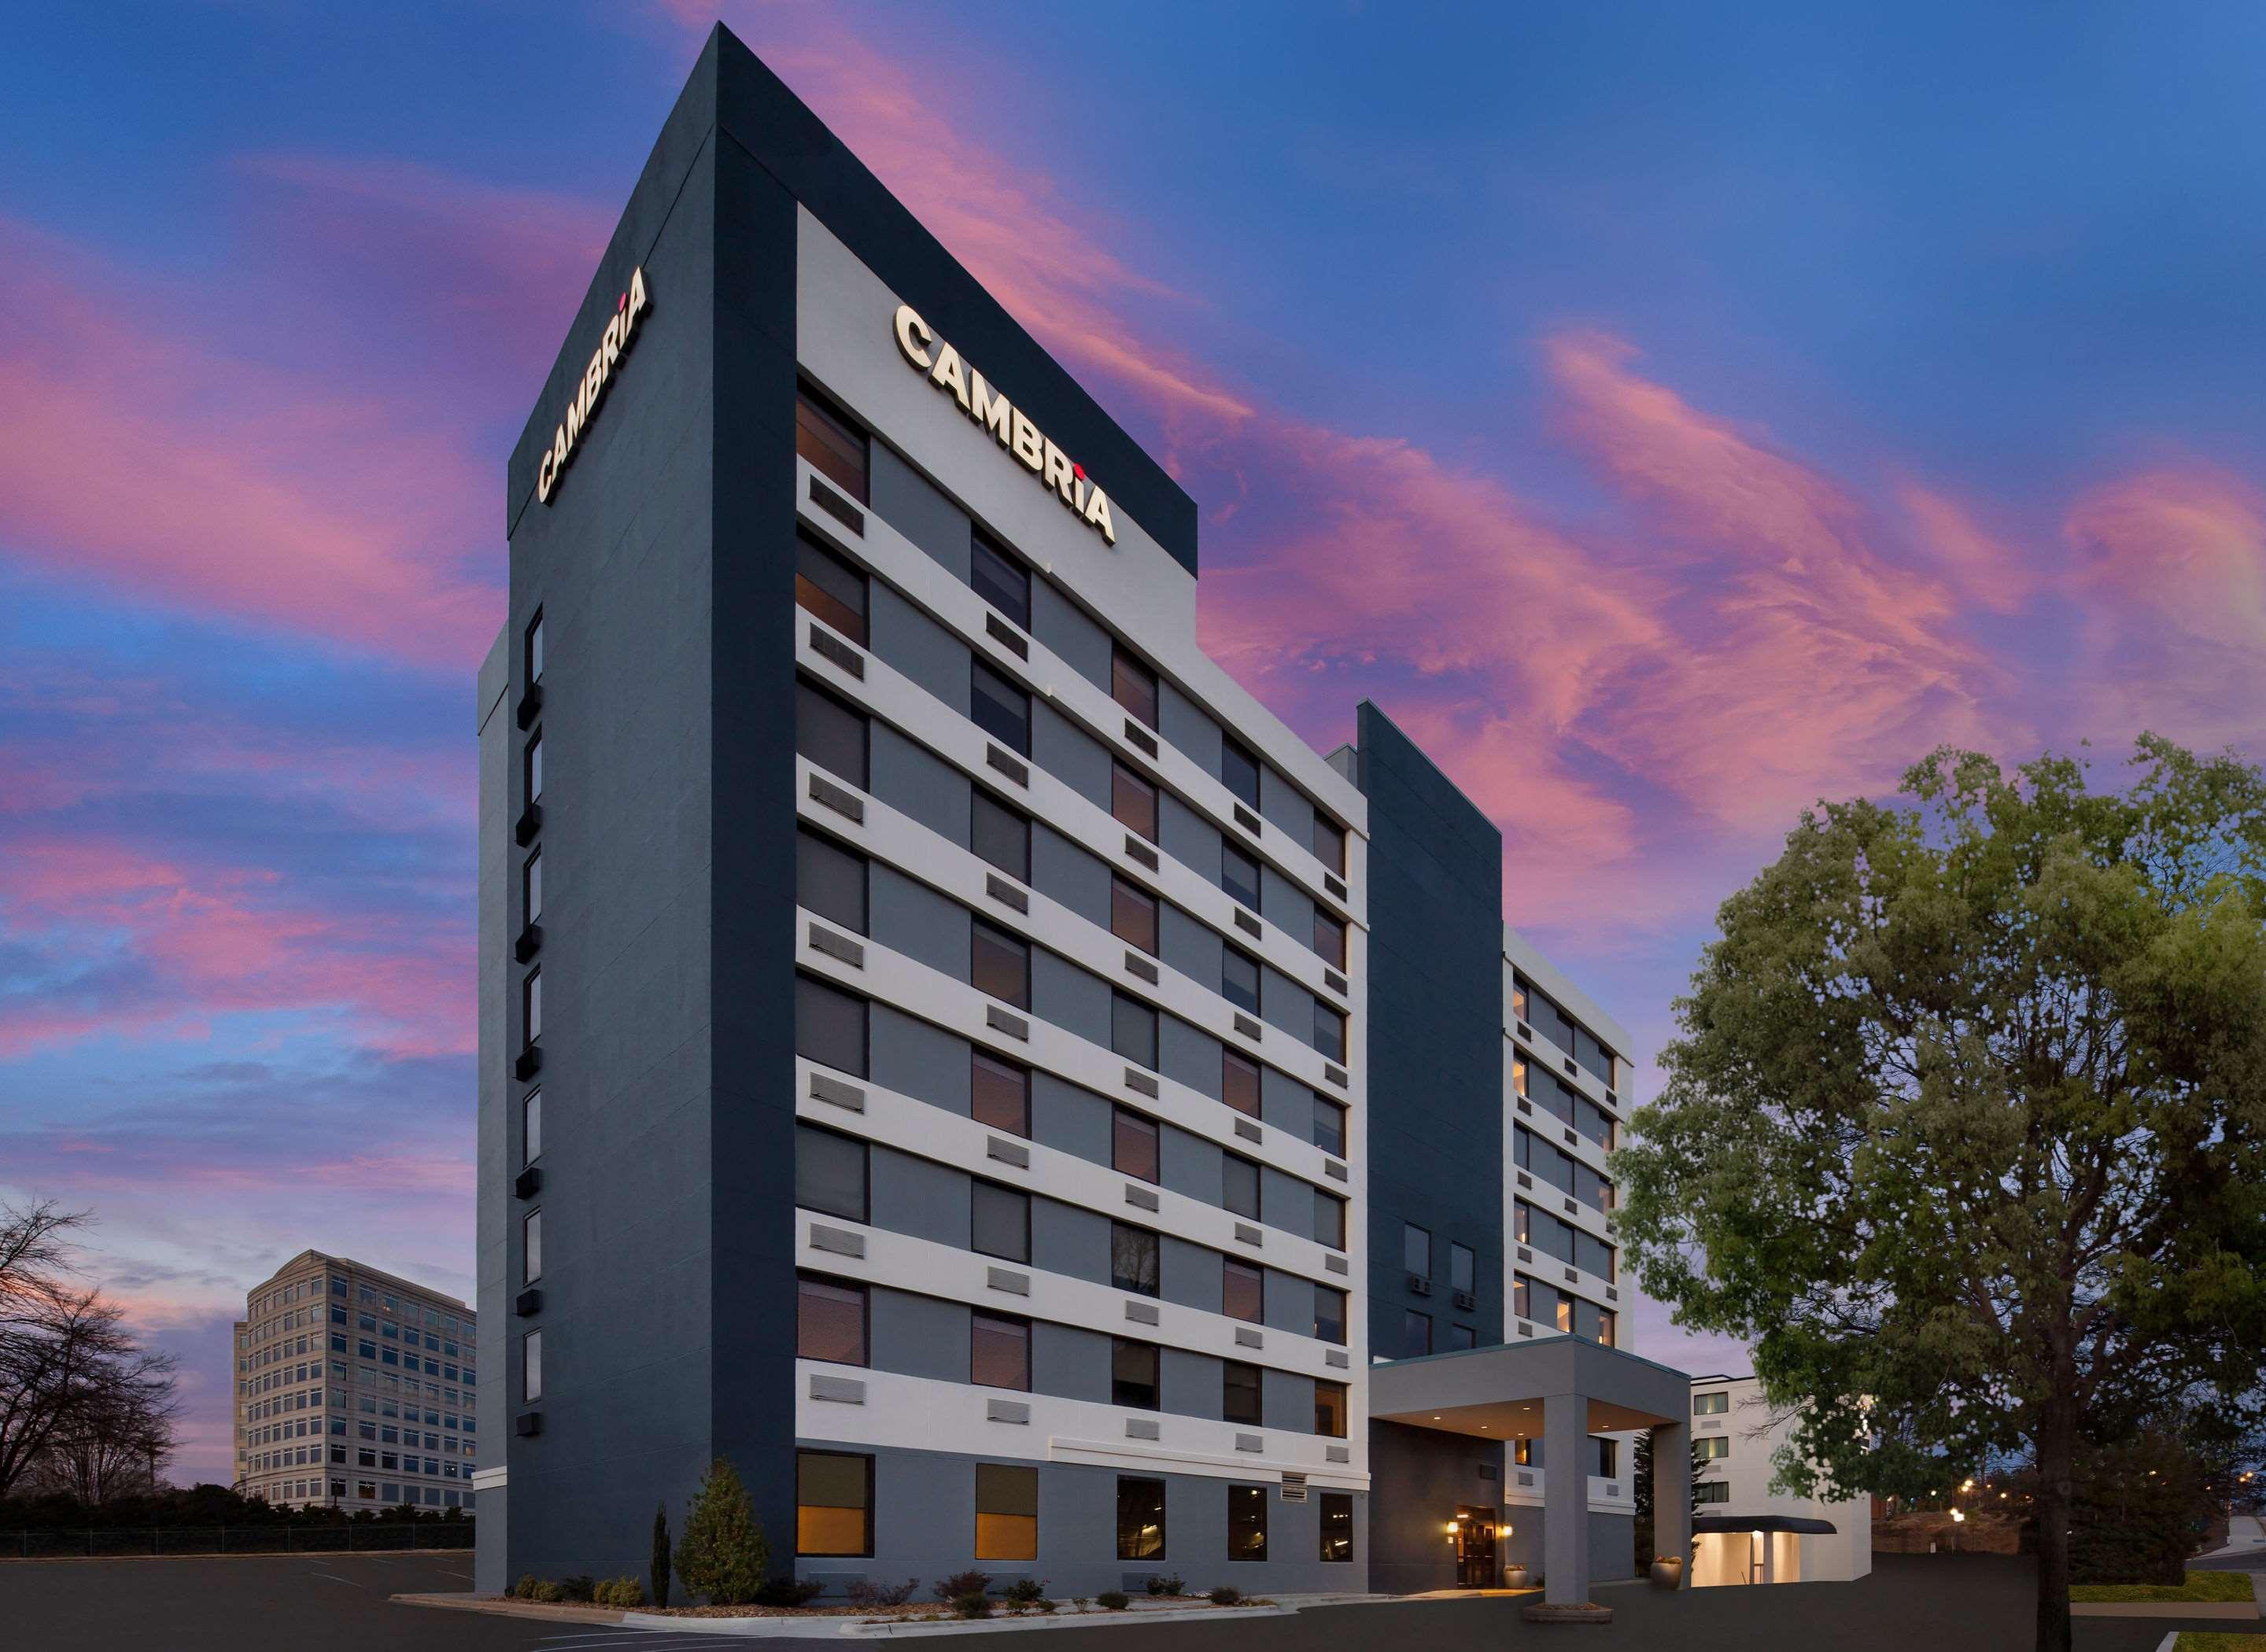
{"x": 624, "y": 303}
{"x": 1079, "y": 471}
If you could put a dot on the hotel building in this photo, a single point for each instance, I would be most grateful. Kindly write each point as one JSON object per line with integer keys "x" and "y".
{"x": 1745, "y": 1533}
{"x": 946, "y": 1047}
{"x": 355, "y": 1390}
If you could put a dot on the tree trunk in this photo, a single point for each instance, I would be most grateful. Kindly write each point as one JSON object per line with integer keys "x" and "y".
{"x": 2056, "y": 1452}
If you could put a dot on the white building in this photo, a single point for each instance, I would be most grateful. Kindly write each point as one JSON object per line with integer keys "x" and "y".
{"x": 1742, "y": 1531}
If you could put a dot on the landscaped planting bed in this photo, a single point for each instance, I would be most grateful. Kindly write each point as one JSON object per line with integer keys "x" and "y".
{"x": 2200, "y": 1587}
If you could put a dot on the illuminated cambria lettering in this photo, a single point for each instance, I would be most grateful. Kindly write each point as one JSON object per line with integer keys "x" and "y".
{"x": 1009, "y": 425}
{"x": 621, "y": 332}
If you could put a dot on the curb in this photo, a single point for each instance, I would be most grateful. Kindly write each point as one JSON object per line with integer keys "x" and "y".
{"x": 516, "y": 1608}
{"x": 1056, "y": 1620}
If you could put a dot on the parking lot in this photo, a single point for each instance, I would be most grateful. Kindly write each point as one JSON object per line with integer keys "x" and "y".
{"x": 340, "y": 1603}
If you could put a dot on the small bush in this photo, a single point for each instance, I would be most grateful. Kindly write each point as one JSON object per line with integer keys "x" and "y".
{"x": 975, "y": 1605}
{"x": 865, "y": 1592}
{"x": 721, "y": 1552}
{"x": 1112, "y": 1600}
{"x": 549, "y": 1594}
{"x": 619, "y": 1592}
{"x": 1025, "y": 1591}
{"x": 1169, "y": 1583}
{"x": 581, "y": 1588}
{"x": 788, "y": 1592}
{"x": 959, "y": 1583}
{"x": 524, "y": 1589}
{"x": 1225, "y": 1596}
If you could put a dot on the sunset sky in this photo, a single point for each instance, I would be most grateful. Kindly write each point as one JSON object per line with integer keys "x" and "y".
{"x": 1670, "y": 414}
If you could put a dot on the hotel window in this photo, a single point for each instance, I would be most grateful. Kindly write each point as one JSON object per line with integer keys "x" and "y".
{"x": 1133, "y": 915}
{"x": 831, "y": 1173}
{"x": 530, "y": 1367}
{"x": 1329, "y": 1220}
{"x": 1329, "y": 1314}
{"x": 829, "y": 1025}
{"x": 1006, "y": 1513}
{"x": 530, "y": 886}
{"x": 1521, "y": 1299}
{"x": 998, "y": 1352}
{"x": 1000, "y": 1222}
{"x": 1238, "y": 1082}
{"x": 1140, "y": 1519}
{"x": 833, "y": 1503}
{"x": 1246, "y": 1523}
{"x": 1243, "y": 1292}
{"x": 1416, "y": 1250}
{"x": 1712, "y": 1491}
{"x": 833, "y": 446}
{"x": 535, "y": 647}
{"x": 1133, "y": 1144}
{"x": 1329, "y": 1127}
{"x": 532, "y": 1005}
{"x": 1715, "y": 1405}
{"x": 1239, "y": 875}
{"x": 1133, "y": 1258}
{"x": 1001, "y": 710}
{"x": 1329, "y": 843}
{"x": 535, "y": 766}
{"x": 1240, "y": 1185}
{"x": 531, "y": 1228}
{"x": 1462, "y": 1267}
{"x": 1712, "y": 1448}
{"x": 1238, "y": 770}
{"x": 1001, "y": 966}
{"x": 1330, "y": 1409}
{"x": 999, "y": 1094}
{"x": 1133, "y": 801}
{"x": 999, "y": 579}
{"x": 829, "y": 588}
{"x": 1527, "y": 1453}
{"x": 1239, "y": 979}
{"x": 1416, "y": 1333}
{"x": 830, "y": 1322}
{"x": 1000, "y": 836}
{"x": 829, "y": 881}
{"x": 1329, "y": 939}
{"x": 1133, "y": 1029}
{"x": 1133, "y": 685}
{"x": 1461, "y": 1337}
{"x": 530, "y": 1138}
{"x": 1337, "y": 1525}
{"x": 1133, "y": 1374}
{"x": 1240, "y": 1393}
{"x": 1605, "y": 1457}
{"x": 1329, "y": 1031}
{"x": 829, "y": 733}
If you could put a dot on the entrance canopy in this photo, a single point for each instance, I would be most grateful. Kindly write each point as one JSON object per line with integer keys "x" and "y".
{"x": 1497, "y": 1394}
{"x": 1731, "y": 1524}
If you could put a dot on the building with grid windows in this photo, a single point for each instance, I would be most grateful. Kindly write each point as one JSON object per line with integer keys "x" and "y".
{"x": 946, "y": 1047}
{"x": 355, "y": 1390}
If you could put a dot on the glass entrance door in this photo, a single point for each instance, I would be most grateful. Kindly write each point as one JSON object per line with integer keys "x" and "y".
{"x": 1474, "y": 1547}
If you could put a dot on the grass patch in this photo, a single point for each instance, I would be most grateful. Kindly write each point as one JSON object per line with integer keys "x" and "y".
{"x": 2213, "y": 1640}
{"x": 2200, "y": 1586}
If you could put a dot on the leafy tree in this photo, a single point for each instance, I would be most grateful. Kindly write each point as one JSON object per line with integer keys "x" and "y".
{"x": 657, "y": 1573}
{"x": 722, "y": 1553}
{"x": 1965, "y": 1126}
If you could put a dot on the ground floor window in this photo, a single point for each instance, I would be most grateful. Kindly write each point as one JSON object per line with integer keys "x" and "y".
{"x": 1712, "y": 1491}
{"x": 1246, "y": 1523}
{"x": 1006, "y": 1513}
{"x": 1140, "y": 1519}
{"x": 834, "y": 1504}
{"x": 1337, "y": 1525}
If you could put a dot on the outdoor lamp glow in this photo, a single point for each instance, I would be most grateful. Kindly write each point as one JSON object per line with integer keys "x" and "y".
{"x": 1959, "y": 1517}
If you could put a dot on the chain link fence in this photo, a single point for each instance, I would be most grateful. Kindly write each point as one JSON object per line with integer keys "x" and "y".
{"x": 277, "y": 1540}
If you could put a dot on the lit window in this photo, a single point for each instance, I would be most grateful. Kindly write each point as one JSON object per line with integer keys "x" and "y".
{"x": 834, "y": 1504}
{"x": 1712, "y": 1405}
{"x": 1714, "y": 1447}
{"x": 1330, "y": 1409}
{"x": 1007, "y": 1512}
{"x": 829, "y": 588}
{"x": 832, "y": 446}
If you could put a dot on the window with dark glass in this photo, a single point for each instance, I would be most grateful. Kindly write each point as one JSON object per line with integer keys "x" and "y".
{"x": 1329, "y": 1127}
{"x": 831, "y": 445}
{"x": 1520, "y": 1298}
{"x": 1133, "y": 1374}
{"x": 1240, "y": 1185}
{"x": 834, "y": 1504}
{"x": 1001, "y": 965}
{"x": 1239, "y": 769}
{"x": 1330, "y": 1409}
{"x": 531, "y": 1004}
{"x": 1329, "y": 1031}
{"x": 530, "y": 1137}
{"x": 1007, "y": 1512}
{"x": 1329, "y": 939}
{"x": 535, "y": 766}
{"x": 1337, "y": 1525}
{"x": 1416, "y": 1250}
{"x": 1133, "y": 1029}
{"x": 1239, "y": 979}
{"x": 535, "y": 647}
{"x": 829, "y": 1321}
{"x": 1246, "y": 1523}
{"x": 1239, "y": 875}
{"x": 1000, "y": 1223}
{"x": 1462, "y": 1336}
{"x": 830, "y": 1172}
{"x": 999, "y": 1351}
{"x": 829, "y": 881}
{"x": 1329, "y": 1220}
{"x": 1001, "y": 710}
{"x": 1133, "y": 685}
{"x": 1329, "y": 843}
{"x": 1416, "y": 1333}
{"x": 530, "y": 1231}
{"x": 1329, "y": 1314}
{"x": 1133, "y": 1144}
{"x": 1133, "y": 915}
{"x": 829, "y": 1025}
{"x": 1000, "y": 580}
{"x": 1133, "y": 801}
{"x": 999, "y": 1094}
{"x": 1001, "y": 836}
{"x": 1240, "y": 1393}
{"x": 1243, "y": 1291}
{"x": 829, "y": 733}
{"x": 1133, "y": 1254}
{"x": 1140, "y": 1519}
{"x": 1462, "y": 1268}
{"x": 531, "y": 886}
{"x": 1605, "y": 1457}
{"x": 829, "y": 588}
{"x": 1238, "y": 1082}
